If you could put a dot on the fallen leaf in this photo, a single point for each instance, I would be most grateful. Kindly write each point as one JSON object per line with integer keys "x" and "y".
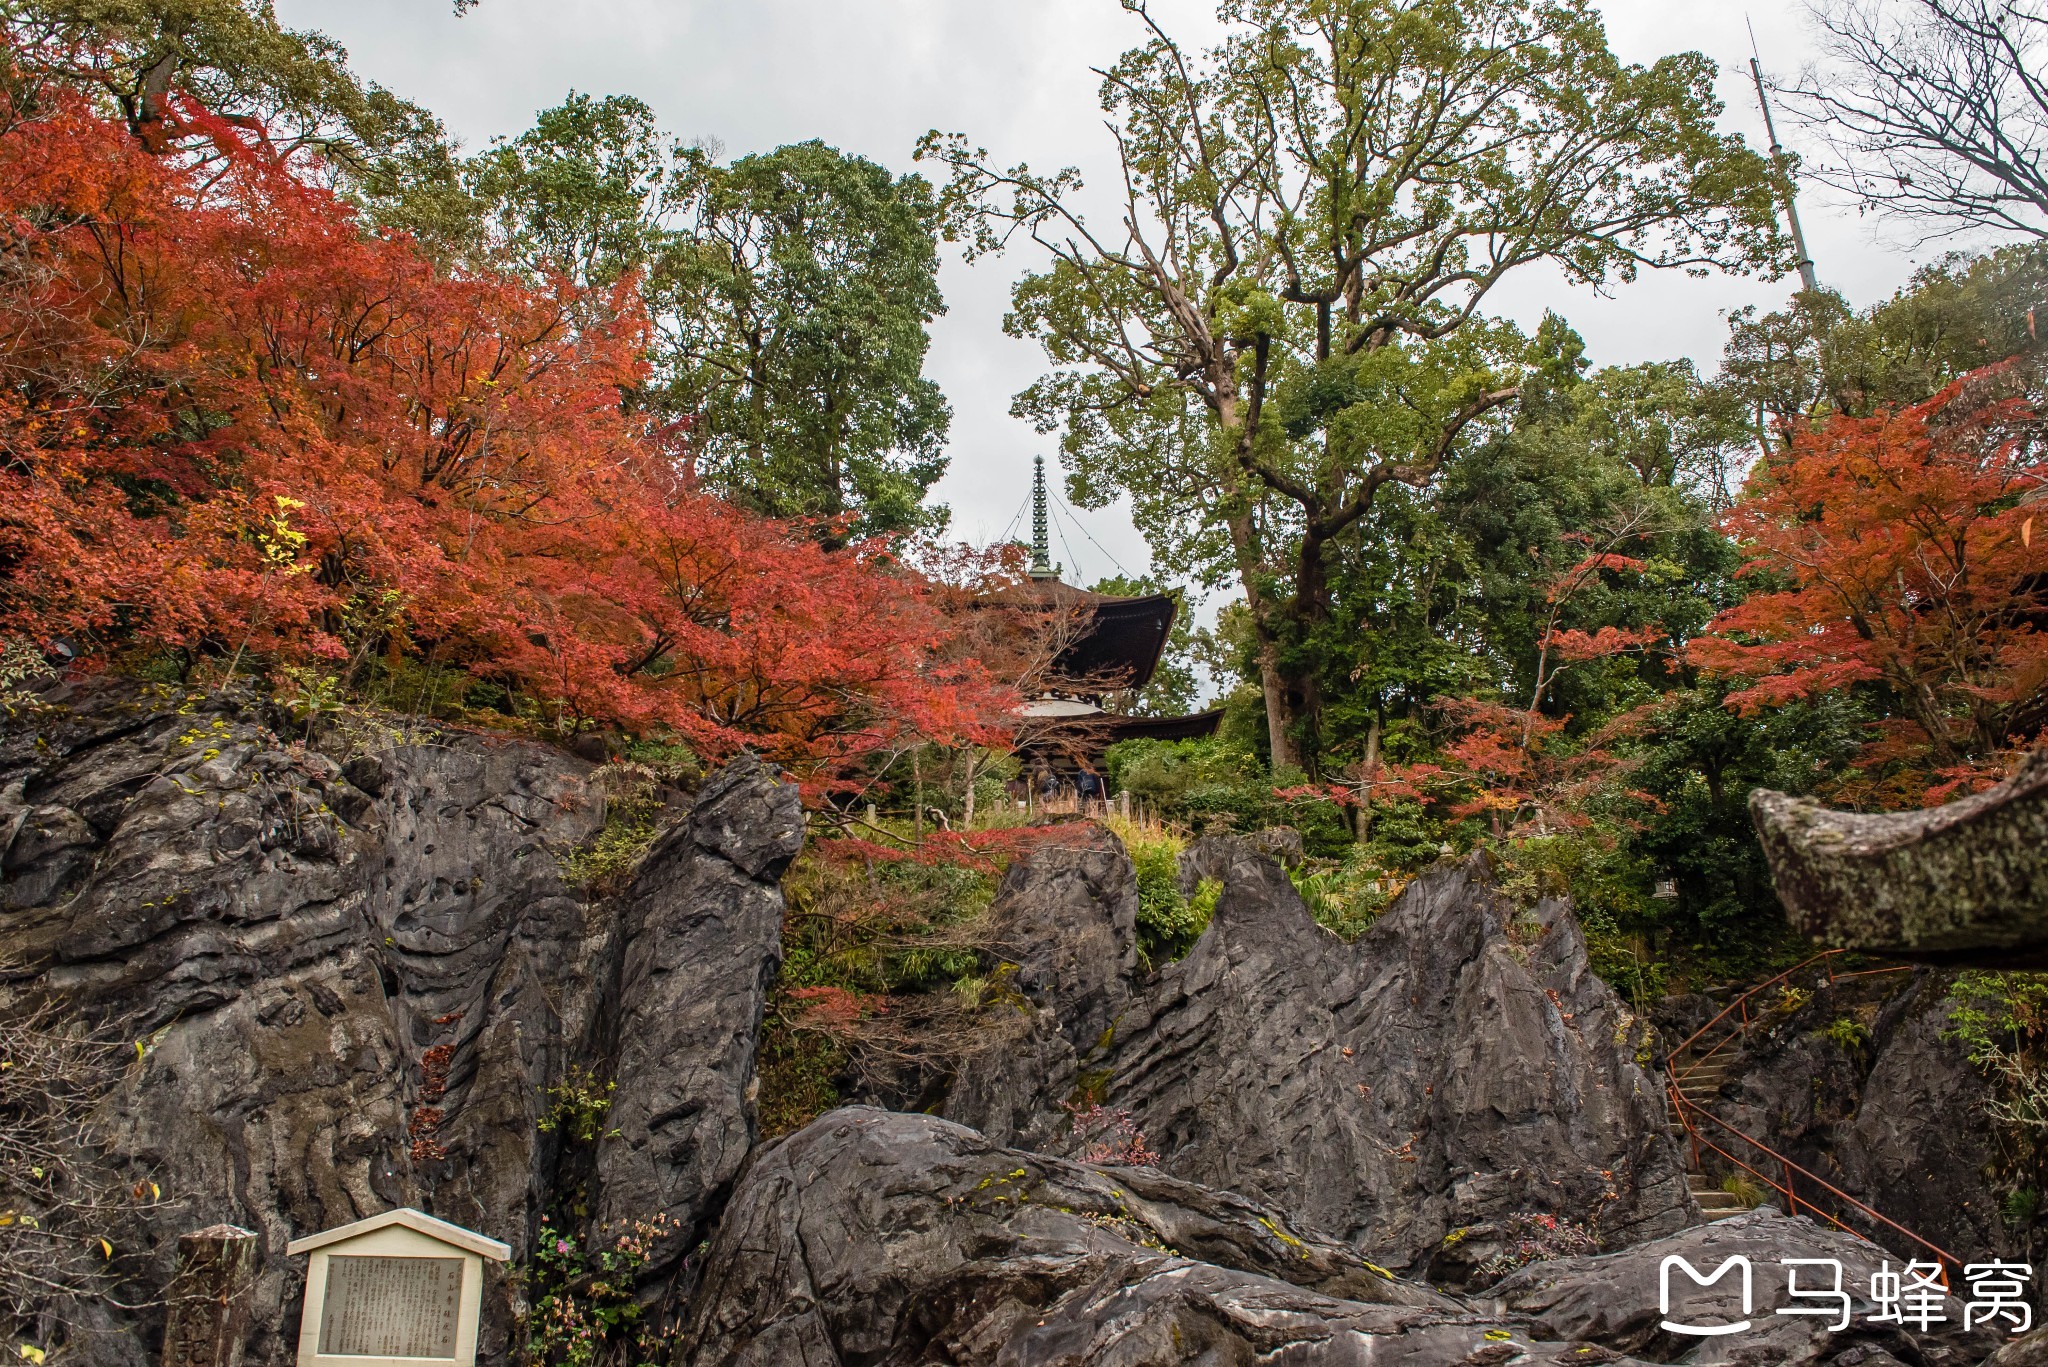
{"x": 32, "y": 1353}
{"x": 106, "y": 1248}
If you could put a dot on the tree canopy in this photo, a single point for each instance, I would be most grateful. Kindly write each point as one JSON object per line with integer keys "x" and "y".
{"x": 1284, "y": 318}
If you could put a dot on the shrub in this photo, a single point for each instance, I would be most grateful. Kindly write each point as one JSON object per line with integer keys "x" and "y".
{"x": 1168, "y": 923}
{"x": 1538, "y": 1238}
{"x": 583, "y": 1292}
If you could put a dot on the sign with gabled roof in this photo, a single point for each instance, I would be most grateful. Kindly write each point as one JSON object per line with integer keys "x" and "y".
{"x": 400, "y": 1289}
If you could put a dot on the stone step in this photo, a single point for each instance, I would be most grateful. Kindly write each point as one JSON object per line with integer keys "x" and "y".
{"x": 1711, "y": 1201}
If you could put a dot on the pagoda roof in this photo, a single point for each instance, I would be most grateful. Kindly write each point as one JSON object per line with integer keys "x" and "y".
{"x": 1123, "y": 640}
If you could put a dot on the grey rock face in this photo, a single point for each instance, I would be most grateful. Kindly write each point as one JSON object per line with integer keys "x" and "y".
{"x": 877, "y": 1237}
{"x": 354, "y": 979}
{"x": 1457, "y": 1064}
{"x": 1962, "y": 883}
{"x": 1897, "y": 1121}
{"x": 703, "y": 935}
{"x": 1065, "y": 921}
{"x": 1613, "y": 1300}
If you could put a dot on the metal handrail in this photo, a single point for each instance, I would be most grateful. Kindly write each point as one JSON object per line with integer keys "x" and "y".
{"x": 1686, "y": 1107}
{"x": 1741, "y": 1003}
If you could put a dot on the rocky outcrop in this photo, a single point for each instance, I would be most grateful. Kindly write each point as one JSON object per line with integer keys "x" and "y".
{"x": 873, "y": 1237}
{"x": 1614, "y": 1301}
{"x": 352, "y": 972}
{"x": 702, "y": 931}
{"x": 1064, "y": 927}
{"x": 1458, "y": 1064}
{"x": 1962, "y": 883}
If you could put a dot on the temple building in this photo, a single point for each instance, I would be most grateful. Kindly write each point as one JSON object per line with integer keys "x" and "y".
{"x": 1114, "y": 648}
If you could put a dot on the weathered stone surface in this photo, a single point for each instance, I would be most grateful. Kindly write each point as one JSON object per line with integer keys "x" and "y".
{"x": 703, "y": 933}
{"x": 1459, "y": 1063}
{"x": 206, "y": 1317}
{"x": 1891, "y": 1112}
{"x": 2028, "y": 1351}
{"x": 1613, "y": 1300}
{"x": 1064, "y": 922}
{"x": 876, "y": 1237}
{"x": 1963, "y": 883}
{"x": 355, "y": 974}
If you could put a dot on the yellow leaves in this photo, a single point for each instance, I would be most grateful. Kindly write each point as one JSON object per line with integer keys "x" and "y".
{"x": 32, "y": 1353}
{"x": 141, "y": 1050}
{"x": 106, "y": 1248}
{"x": 280, "y": 542}
{"x": 1498, "y": 1335}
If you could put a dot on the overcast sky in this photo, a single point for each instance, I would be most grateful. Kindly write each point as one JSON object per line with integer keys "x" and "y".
{"x": 870, "y": 76}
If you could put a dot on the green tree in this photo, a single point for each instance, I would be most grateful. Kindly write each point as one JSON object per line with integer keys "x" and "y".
{"x": 1793, "y": 368}
{"x": 791, "y": 294}
{"x": 580, "y": 193}
{"x": 291, "y": 87}
{"x": 793, "y": 309}
{"x": 1318, "y": 208}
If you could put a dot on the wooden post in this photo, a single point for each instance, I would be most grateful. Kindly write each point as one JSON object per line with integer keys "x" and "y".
{"x": 208, "y": 1323}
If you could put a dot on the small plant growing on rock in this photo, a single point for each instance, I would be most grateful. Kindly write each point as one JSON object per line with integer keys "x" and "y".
{"x": 583, "y": 1291}
{"x": 1109, "y": 1136}
{"x": 1848, "y": 1032}
{"x": 1534, "y": 1238}
{"x": 1168, "y": 923}
{"x": 630, "y": 825}
{"x": 1745, "y": 1189}
{"x": 577, "y": 1106}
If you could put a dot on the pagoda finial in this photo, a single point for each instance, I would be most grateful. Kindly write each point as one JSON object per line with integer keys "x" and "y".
{"x": 1041, "y": 540}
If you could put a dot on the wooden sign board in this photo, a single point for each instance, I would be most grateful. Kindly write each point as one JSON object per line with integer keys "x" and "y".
{"x": 401, "y": 1289}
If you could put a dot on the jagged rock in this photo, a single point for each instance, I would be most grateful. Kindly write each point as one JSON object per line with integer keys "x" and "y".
{"x": 355, "y": 981}
{"x": 2030, "y": 1351}
{"x": 1613, "y": 1300}
{"x": 875, "y": 1237}
{"x": 1064, "y": 923}
{"x": 1459, "y": 1063}
{"x": 1068, "y": 919}
{"x": 703, "y": 934}
{"x": 1963, "y": 883}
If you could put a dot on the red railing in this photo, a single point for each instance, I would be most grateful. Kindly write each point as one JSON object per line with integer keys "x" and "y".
{"x": 1741, "y": 1005}
{"x": 1689, "y": 1112}
{"x": 1689, "y": 1109}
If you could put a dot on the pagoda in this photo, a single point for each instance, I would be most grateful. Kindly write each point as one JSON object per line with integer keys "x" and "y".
{"x": 1115, "y": 648}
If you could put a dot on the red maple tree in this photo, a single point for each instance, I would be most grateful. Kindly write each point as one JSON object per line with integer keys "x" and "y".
{"x": 1900, "y": 555}
{"x": 236, "y": 422}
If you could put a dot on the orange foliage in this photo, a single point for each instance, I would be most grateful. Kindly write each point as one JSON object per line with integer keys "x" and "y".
{"x": 236, "y": 423}
{"x": 1899, "y": 553}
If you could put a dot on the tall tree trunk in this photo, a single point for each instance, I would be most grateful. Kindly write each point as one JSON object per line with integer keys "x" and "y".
{"x": 1368, "y": 780}
{"x": 1280, "y": 711}
{"x": 1279, "y": 714}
